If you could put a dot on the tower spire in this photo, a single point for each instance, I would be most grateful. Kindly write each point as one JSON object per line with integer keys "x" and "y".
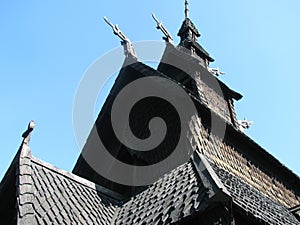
{"x": 189, "y": 34}
{"x": 186, "y": 11}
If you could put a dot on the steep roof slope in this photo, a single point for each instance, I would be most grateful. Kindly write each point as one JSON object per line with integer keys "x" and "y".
{"x": 48, "y": 195}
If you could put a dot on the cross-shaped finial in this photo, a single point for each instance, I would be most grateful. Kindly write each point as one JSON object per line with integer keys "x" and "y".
{"x": 186, "y": 11}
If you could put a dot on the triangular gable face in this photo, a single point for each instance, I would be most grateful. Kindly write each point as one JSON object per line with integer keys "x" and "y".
{"x": 141, "y": 114}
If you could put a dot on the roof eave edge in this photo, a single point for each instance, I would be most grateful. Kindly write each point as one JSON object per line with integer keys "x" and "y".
{"x": 217, "y": 191}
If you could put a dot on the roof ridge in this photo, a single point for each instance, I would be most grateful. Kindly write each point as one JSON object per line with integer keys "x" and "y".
{"x": 78, "y": 179}
{"x": 24, "y": 186}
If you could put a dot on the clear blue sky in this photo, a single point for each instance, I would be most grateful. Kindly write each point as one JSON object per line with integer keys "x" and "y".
{"x": 46, "y": 46}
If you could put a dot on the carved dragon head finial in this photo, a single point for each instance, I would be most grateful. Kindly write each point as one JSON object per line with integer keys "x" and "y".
{"x": 160, "y": 26}
{"x": 128, "y": 47}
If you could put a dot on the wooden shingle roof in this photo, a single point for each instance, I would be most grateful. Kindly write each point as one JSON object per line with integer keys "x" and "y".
{"x": 48, "y": 195}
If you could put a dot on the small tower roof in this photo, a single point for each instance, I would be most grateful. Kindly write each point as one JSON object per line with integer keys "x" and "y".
{"x": 189, "y": 34}
{"x": 187, "y": 25}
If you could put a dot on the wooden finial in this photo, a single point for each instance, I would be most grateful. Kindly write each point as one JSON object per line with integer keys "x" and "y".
{"x": 160, "y": 26}
{"x": 244, "y": 124}
{"x": 26, "y": 134}
{"x": 186, "y": 11}
{"x": 128, "y": 47}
